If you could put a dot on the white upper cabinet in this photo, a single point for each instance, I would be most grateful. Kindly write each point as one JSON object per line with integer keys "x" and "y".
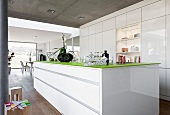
{"x": 91, "y": 29}
{"x": 121, "y": 20}
{"x": 109, "y": 24}
{"x": 98, "y": 27}
{"x": 99, "y": 42}
{"x": 84, "y": 46}
{"x": 153, "y": 41}
{"x": 84, "y": 31}
{"x": 167, "y": 6}
{"x": 109, "y": 42}
{"x": 153, "y": 10}
{"x": 92, "y": 43}
{"x": 134, "y": 16}
{"x": 168, "y": 42}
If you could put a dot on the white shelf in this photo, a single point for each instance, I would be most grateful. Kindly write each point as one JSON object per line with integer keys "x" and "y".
{"x": 127, "y": 52}
{"x": 129, "y": 39}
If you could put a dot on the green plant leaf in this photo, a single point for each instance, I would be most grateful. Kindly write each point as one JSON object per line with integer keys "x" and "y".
{"x": 56, "y": 51}
{"x": 56, "y": 48}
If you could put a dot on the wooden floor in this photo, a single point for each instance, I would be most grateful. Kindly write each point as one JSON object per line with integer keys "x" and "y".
{"x": 40, "y": 106}
{"x": 164, "y": 107}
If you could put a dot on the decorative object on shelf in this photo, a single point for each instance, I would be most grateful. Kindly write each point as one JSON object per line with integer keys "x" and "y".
{"x": 135, "y": 59}
{"x": 124, "y": 49}
{"x": 95, "y": 59}
{"x": 131, "y": 36}
{"x": 120, "y": 59}
{"x": 128, "y": 42}
{"x": 105, "y": 54}
{"x": 63, "y": 56}
{"x": 137, "y": 35}
{"x": 138, "y": 59}
{"x": 125, "y": 38}
{"x": 134, "y": 49}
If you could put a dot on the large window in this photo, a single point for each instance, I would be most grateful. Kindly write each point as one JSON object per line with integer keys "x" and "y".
{"x": 22, "y": 52}
{"x": 74, "y": 45}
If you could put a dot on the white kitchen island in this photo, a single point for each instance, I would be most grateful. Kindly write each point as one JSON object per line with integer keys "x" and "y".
{"x": 130, "y": 89}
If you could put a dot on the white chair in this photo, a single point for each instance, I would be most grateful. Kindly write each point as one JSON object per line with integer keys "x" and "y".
{"x": 24, "y": 67}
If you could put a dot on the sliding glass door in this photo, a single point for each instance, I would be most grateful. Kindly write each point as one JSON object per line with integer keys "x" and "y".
{"x": 22, "y": 52}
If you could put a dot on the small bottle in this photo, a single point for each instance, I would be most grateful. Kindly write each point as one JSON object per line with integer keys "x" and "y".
{"x": 124, "y": 59}
{"x": 112, "y": 60}
{"x": 139, "y": 59}
{"x": 120, "y": 59}
{"x": 135, "y": 59}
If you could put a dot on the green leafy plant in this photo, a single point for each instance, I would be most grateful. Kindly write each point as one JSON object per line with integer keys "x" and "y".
{"x": 62, "y": 49}
{"x": 63, "y": 56}
{"x": 52, "y": 59}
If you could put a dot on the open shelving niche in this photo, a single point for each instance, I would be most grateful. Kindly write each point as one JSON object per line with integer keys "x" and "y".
{"x": 128, "y": 32}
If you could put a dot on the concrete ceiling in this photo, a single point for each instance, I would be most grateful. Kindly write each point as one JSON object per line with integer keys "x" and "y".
{"x": 28, "y": 35}
{"x": 67, "y": 12}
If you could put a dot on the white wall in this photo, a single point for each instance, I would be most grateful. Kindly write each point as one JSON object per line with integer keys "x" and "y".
{"x": 154, "y": 18}
{"x": 49, "y": 46}
{"x": 21, "y": 23}
{"x": 40, "y": 49}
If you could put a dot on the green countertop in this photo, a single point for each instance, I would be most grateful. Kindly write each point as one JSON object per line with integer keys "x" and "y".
{"x": 99, "y": 66}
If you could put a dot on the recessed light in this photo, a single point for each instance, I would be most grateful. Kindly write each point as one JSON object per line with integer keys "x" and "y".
{"x": 35, "y": 37}
{"x": 11, "y": 1}
{"x": 81, "y": 18}
{"x": 50, "y": 11}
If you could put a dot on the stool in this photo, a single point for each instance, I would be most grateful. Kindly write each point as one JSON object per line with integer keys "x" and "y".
{"x": 15, "y": 91}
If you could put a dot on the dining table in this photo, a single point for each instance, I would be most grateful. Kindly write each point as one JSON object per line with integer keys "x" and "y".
{"x": 31, "y": 63}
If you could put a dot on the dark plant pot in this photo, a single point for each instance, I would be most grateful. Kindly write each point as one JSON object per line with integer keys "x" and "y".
{"x": 51, "y": 59}
{"x": 65, "y": 57}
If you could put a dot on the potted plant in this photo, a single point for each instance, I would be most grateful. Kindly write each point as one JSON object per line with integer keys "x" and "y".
{"x": 63, "y": 56}
{"x": 10, "y": 56}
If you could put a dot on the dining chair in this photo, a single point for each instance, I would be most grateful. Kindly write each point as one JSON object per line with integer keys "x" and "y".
{"x": 24, "y": 67}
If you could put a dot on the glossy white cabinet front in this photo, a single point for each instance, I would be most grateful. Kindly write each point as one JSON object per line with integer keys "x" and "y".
{"x": 91, "y": 29}
{"x": 153, "y": 41}
{"x": 167, "y": 6}
{"x": 60, "y": 101}
{"x": 92, "y": 43}
{"x": 153, "y": 10}
{"x": 84, "y": 31}
{"x": 168, "y": 42}
{"x": 84, "y": 46}
{"x": 109, "y": 24}
{"x": 98, "y": 27}
{"x": 134, "y": 16}
{"x": 109, "y": 38}
{"x": 121, "y": 20}
{"x": 99, "y": 42}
